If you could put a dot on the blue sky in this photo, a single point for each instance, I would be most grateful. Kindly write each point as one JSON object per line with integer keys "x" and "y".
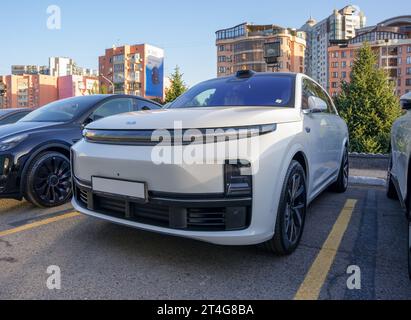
{"x": 184, "y": 28}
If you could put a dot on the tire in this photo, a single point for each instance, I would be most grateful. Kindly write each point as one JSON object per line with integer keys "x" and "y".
{"x": 341, "y": 185}
{"x": 48, "y": 180}
{"x": 291, "y": 214}
{"x": 391, "y": 191}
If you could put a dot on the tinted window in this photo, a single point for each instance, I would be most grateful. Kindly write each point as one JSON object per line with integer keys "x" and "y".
{"x": 113, "y": 107}
{"x": 59, "y": 111}
{"x": 147, "y": 105}
{"x": 13, "y": 118}
{"x": 312, "y": 89}
{"x": 259, "y": 90}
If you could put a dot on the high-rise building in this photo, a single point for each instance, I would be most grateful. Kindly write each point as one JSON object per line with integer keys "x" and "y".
{"x": 390, "y": 41}
{"x": 243, "y": 47}
{"x": 133, "y": 69}
{"x": 19, "y": 70}
{"x": 341, "y": 25}
{"x": 62, "y": 66}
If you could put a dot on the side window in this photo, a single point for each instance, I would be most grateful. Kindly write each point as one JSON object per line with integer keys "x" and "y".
{"x": 113, "y": 107}
{"x": 308, "y": 91}
{"x": 14, "y": 118}
{"x": 324, "y": 96}
{"x": 146, "y": 105}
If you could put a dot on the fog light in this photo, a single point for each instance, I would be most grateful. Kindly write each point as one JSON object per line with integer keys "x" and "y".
{"x": 238, "y": 179}
{"x": 4, "y": 165}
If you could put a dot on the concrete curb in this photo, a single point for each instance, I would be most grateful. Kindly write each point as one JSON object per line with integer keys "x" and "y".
{"x": 368, "y": 181}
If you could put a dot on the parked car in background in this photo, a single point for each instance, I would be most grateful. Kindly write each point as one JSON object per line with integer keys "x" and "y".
{"x": 35, "y": 151}
{"x": 12, "y": 115}
{"x": 223, "y": 198}
{"x": 399, "y": 172}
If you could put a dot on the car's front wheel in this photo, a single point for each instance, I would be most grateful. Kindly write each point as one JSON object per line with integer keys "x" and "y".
{"x": 291, "y": 212}
{"x": 49, "y": 180}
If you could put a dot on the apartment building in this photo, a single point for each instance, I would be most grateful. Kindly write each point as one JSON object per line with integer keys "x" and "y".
{"x": 133, "y": 69}
{"x": 63, "y": 66}
{"x": 340, "y": 25}
{"x": 391, "y": 42}
{"x": 20, "y": 70}
{"x": 243, "y": 48}
{"x": 29, "y": 91}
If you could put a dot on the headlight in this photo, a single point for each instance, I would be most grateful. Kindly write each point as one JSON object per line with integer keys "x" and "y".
{"x": 178, "y": 136}
{"x": 10, "y": 143}
{"x": 238, "y": 179}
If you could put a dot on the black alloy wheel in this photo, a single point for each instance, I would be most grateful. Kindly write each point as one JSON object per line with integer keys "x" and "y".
{"x": 291, "y": 212}
{"x": 49, "y": 180}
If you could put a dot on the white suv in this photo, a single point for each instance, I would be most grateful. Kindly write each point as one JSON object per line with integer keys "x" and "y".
{"x": 233, "y": 161}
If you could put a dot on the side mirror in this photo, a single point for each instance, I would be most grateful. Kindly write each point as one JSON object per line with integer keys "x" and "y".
{"x": 316, "y": 104}
{"x": 406, "y": 101}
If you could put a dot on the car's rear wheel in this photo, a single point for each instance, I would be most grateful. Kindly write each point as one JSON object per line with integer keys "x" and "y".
{"x": 391, "y": 191}
{"x": 49, "y": 180}
{"x": 341, "y": 185}
{"x": 291, "y": 212}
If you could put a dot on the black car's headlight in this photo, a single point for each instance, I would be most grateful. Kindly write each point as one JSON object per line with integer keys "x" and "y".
{"x": 238, "y": 179}
{"x": 10, "y": 143}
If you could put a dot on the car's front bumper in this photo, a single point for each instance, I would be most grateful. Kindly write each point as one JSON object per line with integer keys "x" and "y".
{"x": 10, "y": 172}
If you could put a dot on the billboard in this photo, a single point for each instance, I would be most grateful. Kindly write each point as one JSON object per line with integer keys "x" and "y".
{"x": 154, "y": 72}
{"x": 272, "y": 51}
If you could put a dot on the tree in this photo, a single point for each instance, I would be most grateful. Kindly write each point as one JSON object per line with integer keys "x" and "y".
{"x": 177, "y": 87}
{"x": 368, "y": 104}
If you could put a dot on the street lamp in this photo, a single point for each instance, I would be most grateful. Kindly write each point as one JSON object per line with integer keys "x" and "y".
{"x": 109, "y": 81}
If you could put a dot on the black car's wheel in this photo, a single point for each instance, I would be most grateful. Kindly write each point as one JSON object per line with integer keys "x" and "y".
{"x": 291, "y": 212}
{"x": 391, "y": 191}
{"x": 49, "y": 180}
{"x": 341, "y": 184}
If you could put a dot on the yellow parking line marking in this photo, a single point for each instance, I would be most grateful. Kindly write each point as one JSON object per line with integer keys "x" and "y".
{"x": 38, "y": 224}
{"x": 311, "y": 287}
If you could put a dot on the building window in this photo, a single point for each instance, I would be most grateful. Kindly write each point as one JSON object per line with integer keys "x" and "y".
{"x": 408, "y": 60}
{"x": 334, "y": 75}
{"x": 408, "y": 82}
{"x": 221, "y": 48}
{"x": 343, "y": 74}
{"x": 408, "y": 71}
{"x": 343, "y": 64}
{"x": 334, "y": 64}
{"x": 409, "y": 49}
{"x": 343, "y": 54}
{"x": 334, "y": 85}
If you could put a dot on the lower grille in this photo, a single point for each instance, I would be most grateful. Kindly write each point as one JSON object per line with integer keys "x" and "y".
{"x": 194, "y": 219}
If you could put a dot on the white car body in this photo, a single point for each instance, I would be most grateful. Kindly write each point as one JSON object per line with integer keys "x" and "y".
{"x": 317, "y": 139}
{"x": 401, "y": 154}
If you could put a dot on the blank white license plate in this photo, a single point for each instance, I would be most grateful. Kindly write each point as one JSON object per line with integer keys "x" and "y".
{"x": 121, "y": 188}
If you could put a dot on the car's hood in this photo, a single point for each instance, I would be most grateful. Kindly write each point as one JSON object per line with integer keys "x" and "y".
{"x": 215, "y": 117}
{"x": 22, "y": 127}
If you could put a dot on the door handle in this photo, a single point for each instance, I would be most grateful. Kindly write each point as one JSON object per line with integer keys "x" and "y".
{"x": 308, "y": 129}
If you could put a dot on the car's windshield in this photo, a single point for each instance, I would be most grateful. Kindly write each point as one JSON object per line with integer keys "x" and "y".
{"x": 59, "y": 111}
{"x": 258, "y": 90}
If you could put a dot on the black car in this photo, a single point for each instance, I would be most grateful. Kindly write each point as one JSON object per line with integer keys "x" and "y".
{"x": 8, "y": 116}
{"x": 35, "y": 151}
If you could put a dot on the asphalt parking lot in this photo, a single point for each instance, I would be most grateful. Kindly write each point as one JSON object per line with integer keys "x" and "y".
{"x": 99, "y": 260}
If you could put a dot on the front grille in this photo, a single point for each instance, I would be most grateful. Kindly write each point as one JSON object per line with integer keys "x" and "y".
{"x": 193, "y": 219}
